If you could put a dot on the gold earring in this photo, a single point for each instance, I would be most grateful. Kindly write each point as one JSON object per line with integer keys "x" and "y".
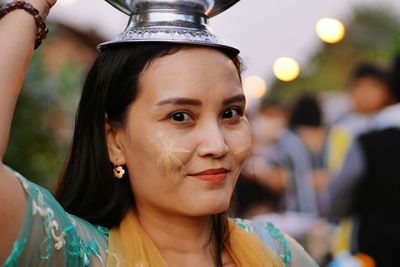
{"x": 118, "y": 172}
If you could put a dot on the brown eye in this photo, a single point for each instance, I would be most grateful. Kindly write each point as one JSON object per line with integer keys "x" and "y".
{"x": 231, "y": 113}
{"x": 180, "y": 116}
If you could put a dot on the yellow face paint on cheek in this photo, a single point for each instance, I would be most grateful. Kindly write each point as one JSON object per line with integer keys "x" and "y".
{"x": 167, "y": 152}
{"x": 243, "y": 141}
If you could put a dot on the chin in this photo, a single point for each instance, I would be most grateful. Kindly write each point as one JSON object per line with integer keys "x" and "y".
{"x": 211, "y": 206}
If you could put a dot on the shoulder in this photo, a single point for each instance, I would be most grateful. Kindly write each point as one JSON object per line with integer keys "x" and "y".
{"x": 291, "y": 253}
{"x": 49, "y": 234}
{"x": 270, "y": 235}
{"x": 391, "y": 133}
{"x": 351, "y": 126}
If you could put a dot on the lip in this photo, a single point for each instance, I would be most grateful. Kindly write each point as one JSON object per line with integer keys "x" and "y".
{"x": 211, "y": 175}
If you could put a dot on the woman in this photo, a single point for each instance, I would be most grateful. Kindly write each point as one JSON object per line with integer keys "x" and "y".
{"x": 157, "y": 150}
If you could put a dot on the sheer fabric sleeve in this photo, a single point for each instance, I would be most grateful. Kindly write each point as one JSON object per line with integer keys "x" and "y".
{"x": 299, "y": 257}
{"x": 291, "y": 253}
{"x": 52, "y": 237}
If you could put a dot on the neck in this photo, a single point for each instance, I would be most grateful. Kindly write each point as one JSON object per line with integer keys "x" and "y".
{"x": 180, "y": 239}
{"x": 186, "y": 233}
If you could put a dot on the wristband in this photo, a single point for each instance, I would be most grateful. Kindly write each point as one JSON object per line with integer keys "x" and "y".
{"x": 42, "y": 30}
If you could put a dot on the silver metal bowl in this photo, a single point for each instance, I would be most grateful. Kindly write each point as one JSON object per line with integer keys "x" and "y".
{"x": 208, "y": 7}
{"x": 177, "y": 21}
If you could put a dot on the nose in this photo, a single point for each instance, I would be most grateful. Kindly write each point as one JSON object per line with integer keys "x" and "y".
{"x": 212, "y": 141}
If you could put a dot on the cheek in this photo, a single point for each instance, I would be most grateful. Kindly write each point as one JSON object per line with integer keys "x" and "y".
{"x": 168, "y": 155}
{"x": 381, "y": 96}
{"x": 240, "y": 142}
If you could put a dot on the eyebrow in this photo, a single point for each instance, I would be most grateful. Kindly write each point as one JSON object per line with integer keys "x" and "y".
{"x": 234, "y": 99}
{"x": 180, "y": 101}
{"x": 195, "y": 102}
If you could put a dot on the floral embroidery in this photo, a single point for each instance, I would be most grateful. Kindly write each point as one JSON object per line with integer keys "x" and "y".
{"x": 86, "y": 250}
{"x": 286, "y": 255}
{"x": 59, "y": 232}
{"x": 103, "y": 230}
{"x": 244, "y": 225}
{"x": 284, "y": 251}
{"x": 51, "y": 228}
{"x": 83, "y": 250}
{"x": 51, "y": 225}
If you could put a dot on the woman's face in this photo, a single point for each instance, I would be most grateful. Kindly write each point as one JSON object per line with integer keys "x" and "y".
{"x": 186, "y": 137}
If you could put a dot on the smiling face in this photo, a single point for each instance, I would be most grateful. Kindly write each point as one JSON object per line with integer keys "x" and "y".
{"x": 185, "y": 137}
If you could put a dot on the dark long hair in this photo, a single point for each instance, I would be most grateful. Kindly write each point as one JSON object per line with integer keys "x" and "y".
{"x": 87, "y": 187}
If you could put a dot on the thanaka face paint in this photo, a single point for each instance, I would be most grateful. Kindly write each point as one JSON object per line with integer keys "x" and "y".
{"x": 245, "y": 141}
{"x": 167, "y": 151}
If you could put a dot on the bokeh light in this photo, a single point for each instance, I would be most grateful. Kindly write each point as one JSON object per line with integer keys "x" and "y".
{"x": 286, "y": 69}
{"x": 254, "y": 87}
{"x": 330, "y": 30}
{"x": 67, "y": 2}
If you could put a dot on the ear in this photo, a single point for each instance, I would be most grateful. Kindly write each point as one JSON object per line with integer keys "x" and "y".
{"x": 113, "y": 138}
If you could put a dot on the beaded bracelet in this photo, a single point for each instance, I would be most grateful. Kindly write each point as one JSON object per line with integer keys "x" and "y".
{"x": 41, "y": 25}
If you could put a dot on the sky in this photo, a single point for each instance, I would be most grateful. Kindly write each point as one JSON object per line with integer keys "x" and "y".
{"x": 263, "y": 30}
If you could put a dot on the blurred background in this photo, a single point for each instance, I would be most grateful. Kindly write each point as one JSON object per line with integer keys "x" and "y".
{"x": 319, "y": 77}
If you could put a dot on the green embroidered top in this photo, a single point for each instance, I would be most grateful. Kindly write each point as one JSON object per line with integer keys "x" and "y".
{"x": 52, "y": 237}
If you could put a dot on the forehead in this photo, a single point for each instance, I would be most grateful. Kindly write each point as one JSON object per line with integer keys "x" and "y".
{"x": 192, "y": 72}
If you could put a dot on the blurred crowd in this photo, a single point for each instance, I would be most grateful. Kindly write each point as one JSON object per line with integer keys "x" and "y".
{"x": 332, "y": 182}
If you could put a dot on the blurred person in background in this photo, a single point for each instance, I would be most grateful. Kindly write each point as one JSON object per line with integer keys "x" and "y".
{"x": 263, "y": 178}
{"x": 281, "y": 166}
{"x": 369, "y": 93}
{"x": 367, "y": 187}
{"x": 282, "y": 179}
{"x": 306, "y": 121}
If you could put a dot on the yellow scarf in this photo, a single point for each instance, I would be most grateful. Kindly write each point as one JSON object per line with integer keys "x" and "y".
{"x": 130, "y": 246}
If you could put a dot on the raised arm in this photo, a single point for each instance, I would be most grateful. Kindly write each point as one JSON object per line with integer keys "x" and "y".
{"x": 17, "y": 38}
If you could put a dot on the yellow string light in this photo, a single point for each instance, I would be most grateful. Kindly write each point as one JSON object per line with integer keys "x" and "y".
{"x": 330, "y": 30}
{"x": 286, "y": 69}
